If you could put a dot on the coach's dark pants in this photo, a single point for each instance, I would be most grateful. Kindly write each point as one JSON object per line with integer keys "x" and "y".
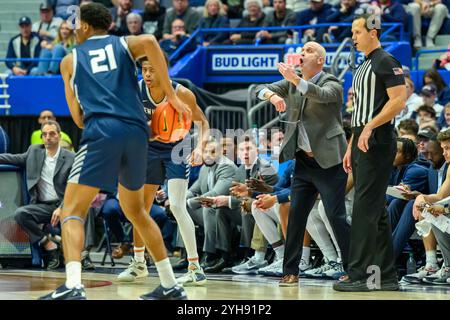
{"x": 371, "y": 238}
{"x": 30, "y": 217}
{"x": 309, "y": 180}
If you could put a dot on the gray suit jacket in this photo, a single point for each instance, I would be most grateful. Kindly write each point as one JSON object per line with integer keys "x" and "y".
{"x": 267, "y": 171}
{"x": 33, "y": 161}
{"x": 223, "y": 175}
{"x": 320, "y": 111}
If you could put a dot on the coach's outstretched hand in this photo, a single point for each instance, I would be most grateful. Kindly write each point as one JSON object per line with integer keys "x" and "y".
{"x": 278, "y": 102}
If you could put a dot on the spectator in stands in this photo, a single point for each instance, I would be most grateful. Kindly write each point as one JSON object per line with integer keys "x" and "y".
{"x": 47, "y": 28}
{"x": 46, "y": 115}
{"x": 407, "y": 127}
{"x": 426, "y": 116}
{"x": 423, "y": 138}
{"x": 57, "y": 49}
{"x": 4, "y": 141}
{"x": 178, "y": 37}
{"x": 255, "y": 18}
{"x": 119, "y": 17}
{"x": 429, "y": 96}
{"x": 412, "y": 103}
{"x": 215, "y": 179}
{"x": 214, "y": 17}
{"x": 446, "y": 112}
{"x": 443, "y": 91}
{"x": 433, "y": 9}
{"x": 24, "y": 45}
{"x": 134, "y": 24}
{"x": 347, "y": 108}
{"x": 153, "y": 17}
{"x": 114, "y": 216}
{"x": 234, "y": 8}
{"x": 317, "y": 13}
{"x": 47, "y": 169}
{"x": 108, "y": 3}
{"x": 343, "y": 12}
{"x": 391, "y": 11}
{"x": 280, "y": 17}
{"x": 62, "y": 7}
{"x": 181, "y": 10}
{"x": 229, "y": 148}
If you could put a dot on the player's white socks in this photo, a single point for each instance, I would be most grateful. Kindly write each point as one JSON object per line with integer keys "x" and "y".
{"x": 431, "y": 257}
{"x": 177, "y": 189}
{"x": 139, "y": 254}
{"x": 305, "y": 253}
{"x": 279, "y": 252}
{"x": 260, "y": 255}
{"x": 165, "y": 273}
{"x": 73, "y": 274}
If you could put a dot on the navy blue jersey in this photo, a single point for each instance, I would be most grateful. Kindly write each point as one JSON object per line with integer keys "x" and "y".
{"x": 105, "y": 80}
{"x": 147, "y": 101}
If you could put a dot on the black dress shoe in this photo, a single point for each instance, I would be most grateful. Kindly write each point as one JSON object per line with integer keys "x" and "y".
{"x": 181, "y": 264}
{"x": 53, "y": 259}
{"x": 86, "y": 263}
{"x": 218, "y": 267}
{"x": 352, "y": 286}
{"x": 208, "y": 261}
{"x": 362, "y": 286}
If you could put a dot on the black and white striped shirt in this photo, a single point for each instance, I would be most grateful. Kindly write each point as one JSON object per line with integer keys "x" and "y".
{"x": 371, "y": 80}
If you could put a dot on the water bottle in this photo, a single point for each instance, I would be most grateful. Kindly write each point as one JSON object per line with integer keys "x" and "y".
{"x": 411, "y": 264}
{"x": 295, "y": 37}
{"x": 255, "y": 135}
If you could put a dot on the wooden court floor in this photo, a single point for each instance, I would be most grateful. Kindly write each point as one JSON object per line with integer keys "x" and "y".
{"x": 29, "y": 285}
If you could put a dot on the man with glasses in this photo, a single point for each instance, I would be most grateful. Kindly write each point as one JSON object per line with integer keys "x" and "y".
{"x": 47, "y": 169}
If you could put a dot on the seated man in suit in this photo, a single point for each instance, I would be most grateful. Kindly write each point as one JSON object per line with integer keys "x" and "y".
{"x": 214, "y": 180}
{"x": 251, "y": 236}
{"x": 4, "y": 141}
{"x": 47, "y": 169}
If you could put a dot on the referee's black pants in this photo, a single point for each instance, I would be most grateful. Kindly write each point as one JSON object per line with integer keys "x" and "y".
{"x": 371, "y": 237}
{"x": 308, "y": 181}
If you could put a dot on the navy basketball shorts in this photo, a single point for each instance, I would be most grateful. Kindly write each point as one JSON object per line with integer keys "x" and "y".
{"x": 165, "y": 162}
{"x": 111, "y": 151}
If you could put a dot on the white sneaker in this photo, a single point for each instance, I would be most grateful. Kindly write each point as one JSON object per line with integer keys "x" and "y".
{"x": 251, "y": 266}
{"x": 275, "y": 269}
{"x": 426, "y": 271}
{"x": 429, "y": 42}
{"x": 336, "y": 271}
{"x": 134, "y": 271}
{"x": 318, "y": 272}
{"x": 303, "y": 266}
{"x": 194, "y": 277}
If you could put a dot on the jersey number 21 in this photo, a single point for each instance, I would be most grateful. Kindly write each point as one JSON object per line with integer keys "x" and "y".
{"x": 99, "y": 57}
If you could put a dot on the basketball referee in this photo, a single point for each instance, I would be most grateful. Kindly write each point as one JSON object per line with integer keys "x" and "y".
{"x": 379, "y": 95}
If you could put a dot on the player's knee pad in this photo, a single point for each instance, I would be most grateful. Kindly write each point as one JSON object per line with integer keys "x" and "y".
{"x": 76, "y": 218}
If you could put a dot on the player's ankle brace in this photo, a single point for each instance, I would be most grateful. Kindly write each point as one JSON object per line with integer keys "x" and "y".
{"x": 72, "y": 218}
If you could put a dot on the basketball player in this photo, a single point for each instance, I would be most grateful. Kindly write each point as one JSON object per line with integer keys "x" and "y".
{"x": 102, "y": 92}
{"x": 160, "y": 166}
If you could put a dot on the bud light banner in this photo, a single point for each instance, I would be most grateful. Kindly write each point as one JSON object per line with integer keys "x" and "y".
{"x": 256, "y": 61}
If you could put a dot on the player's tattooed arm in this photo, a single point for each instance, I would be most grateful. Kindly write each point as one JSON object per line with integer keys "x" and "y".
{"x": 72, "y": 102}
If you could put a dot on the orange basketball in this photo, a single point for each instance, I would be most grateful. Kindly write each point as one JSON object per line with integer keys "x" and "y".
{"x": 168, "y": 125}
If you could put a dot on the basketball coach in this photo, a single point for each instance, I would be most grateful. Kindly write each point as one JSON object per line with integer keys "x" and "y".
{"x": 316, "y": 139}
{"x": 379, "y": 94}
